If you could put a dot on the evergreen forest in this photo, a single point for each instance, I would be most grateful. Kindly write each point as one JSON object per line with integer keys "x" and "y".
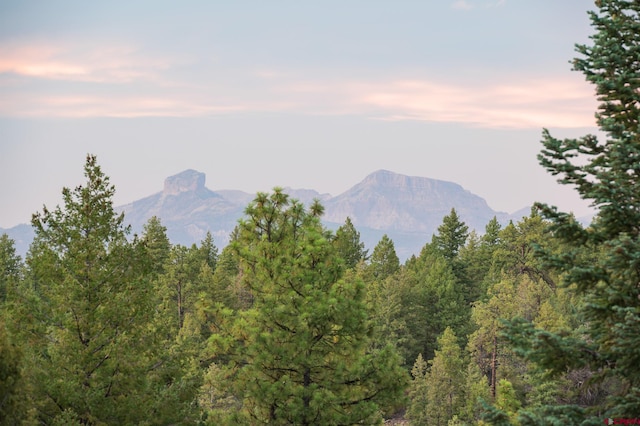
{"x": 532, "y": 323}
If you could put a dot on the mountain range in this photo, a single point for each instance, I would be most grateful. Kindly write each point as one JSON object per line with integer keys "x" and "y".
{"x": 408, "y": 209}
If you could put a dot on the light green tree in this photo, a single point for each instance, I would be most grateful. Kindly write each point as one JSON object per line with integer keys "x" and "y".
{"x": 451, "y": 236}
{"x": 437, "y": 393}
{"x": 418, "y": 400}
{"x": 300, "y": 350}
{"x": 446, "y": 381}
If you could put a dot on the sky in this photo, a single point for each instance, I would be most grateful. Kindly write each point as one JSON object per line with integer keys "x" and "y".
{"x": 306, "y": 94}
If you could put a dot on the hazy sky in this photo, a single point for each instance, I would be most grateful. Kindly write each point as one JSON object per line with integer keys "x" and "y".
{"x": 308, "y": 94}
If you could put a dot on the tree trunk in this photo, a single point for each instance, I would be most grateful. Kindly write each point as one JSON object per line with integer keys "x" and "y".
{"x": 494, "y": 367}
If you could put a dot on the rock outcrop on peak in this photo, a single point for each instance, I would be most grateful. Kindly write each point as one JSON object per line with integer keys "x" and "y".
{"x": 187, "y": 181}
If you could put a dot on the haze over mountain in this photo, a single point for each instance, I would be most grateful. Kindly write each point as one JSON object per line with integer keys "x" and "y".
{"x": 406, "y": 208}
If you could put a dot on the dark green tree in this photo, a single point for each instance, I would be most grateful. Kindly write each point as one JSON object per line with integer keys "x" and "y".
{"x": 449, "y": 241}
{"x": 15, "y": 406}
{"x": 606, "y": 172}
{"x": 208, "y": 251}
{"x": 384, "y": 261}
{"x": 227, "y": 282}
{"x": 156, "y": 242}
{"x": 451, "y": 236}
{"x": 300, "y": 350}
{"x": 348, "y": 245}
{"x": 431, "y": 302}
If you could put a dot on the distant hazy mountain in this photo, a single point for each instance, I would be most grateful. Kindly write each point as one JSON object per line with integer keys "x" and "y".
{"x": 189, "y": 210}
{"x": 389, "y": 201}
{"x": 22, "y": 235}
{"x": 408, "y": 209}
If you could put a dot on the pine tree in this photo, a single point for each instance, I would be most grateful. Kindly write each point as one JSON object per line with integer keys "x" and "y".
{"x": 418, "y": 400}
{"x": 449, "y": 240}
{"x": 446, "y": 380}
{"x": 608, "y": 174}
{"x": 301, "y": 349}
{"x": 92, "y": 353}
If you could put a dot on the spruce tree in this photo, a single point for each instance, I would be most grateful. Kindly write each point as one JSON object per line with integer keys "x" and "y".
{"x": 384, "y": 260}
{"x": 451, "y": 236}
{"x": 348, "y": 244}
{"x": 607, "y": 172}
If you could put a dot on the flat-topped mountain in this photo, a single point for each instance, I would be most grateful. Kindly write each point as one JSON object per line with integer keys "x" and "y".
{"x": 188, "y": 209}
{"x": 389, "y": 201}
{"x": 406, "y": 208}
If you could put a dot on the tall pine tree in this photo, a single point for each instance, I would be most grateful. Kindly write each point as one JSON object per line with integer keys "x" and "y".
{"x": 92, "y": 352}
{"x": 301, "y": 349}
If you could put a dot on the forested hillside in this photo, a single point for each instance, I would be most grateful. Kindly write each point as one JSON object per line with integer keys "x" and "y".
{"x": 532, "y": 323}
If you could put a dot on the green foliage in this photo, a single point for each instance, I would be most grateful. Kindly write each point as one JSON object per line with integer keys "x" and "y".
{"x": 386, "y": 313}
{"x": 446, "y": 380}
{"x": 418, "y": 400}
{"x": 431, "y": 302}
{"x": 348, "y": 245}
{"x": 450, "y": 241}
{"x": 10, "y": 267}
{"x": 92, "y": 352}
{"x": 14, "y": 393}
{"x": 438, "y": 391}
{"x": 232, "y": 293}
{"x": 301, "y": 348}
{"x": 156, "y": 242}
{"x": 451, "y": 235}
{"x": 476, "y": 390}
{"x": 602, "y": 260}
{"x": 507, "y": 400}
{"x": 384, "y": 261}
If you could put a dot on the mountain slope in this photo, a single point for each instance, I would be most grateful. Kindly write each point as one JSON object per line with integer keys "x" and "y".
{"x": 394, "y": 202}
{"x": 188, "y": 209}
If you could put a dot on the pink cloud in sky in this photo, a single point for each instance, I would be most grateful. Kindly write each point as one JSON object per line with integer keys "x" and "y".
{"x": 78, "y": 62}
{"x": 515, "y": 102}
{"x": 79, "y": 106}
{"x": 520, "y": 104}
{"x": 474, "y": 4}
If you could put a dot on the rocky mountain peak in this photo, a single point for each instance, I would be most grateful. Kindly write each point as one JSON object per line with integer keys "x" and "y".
{"x": 189, "y": 180}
